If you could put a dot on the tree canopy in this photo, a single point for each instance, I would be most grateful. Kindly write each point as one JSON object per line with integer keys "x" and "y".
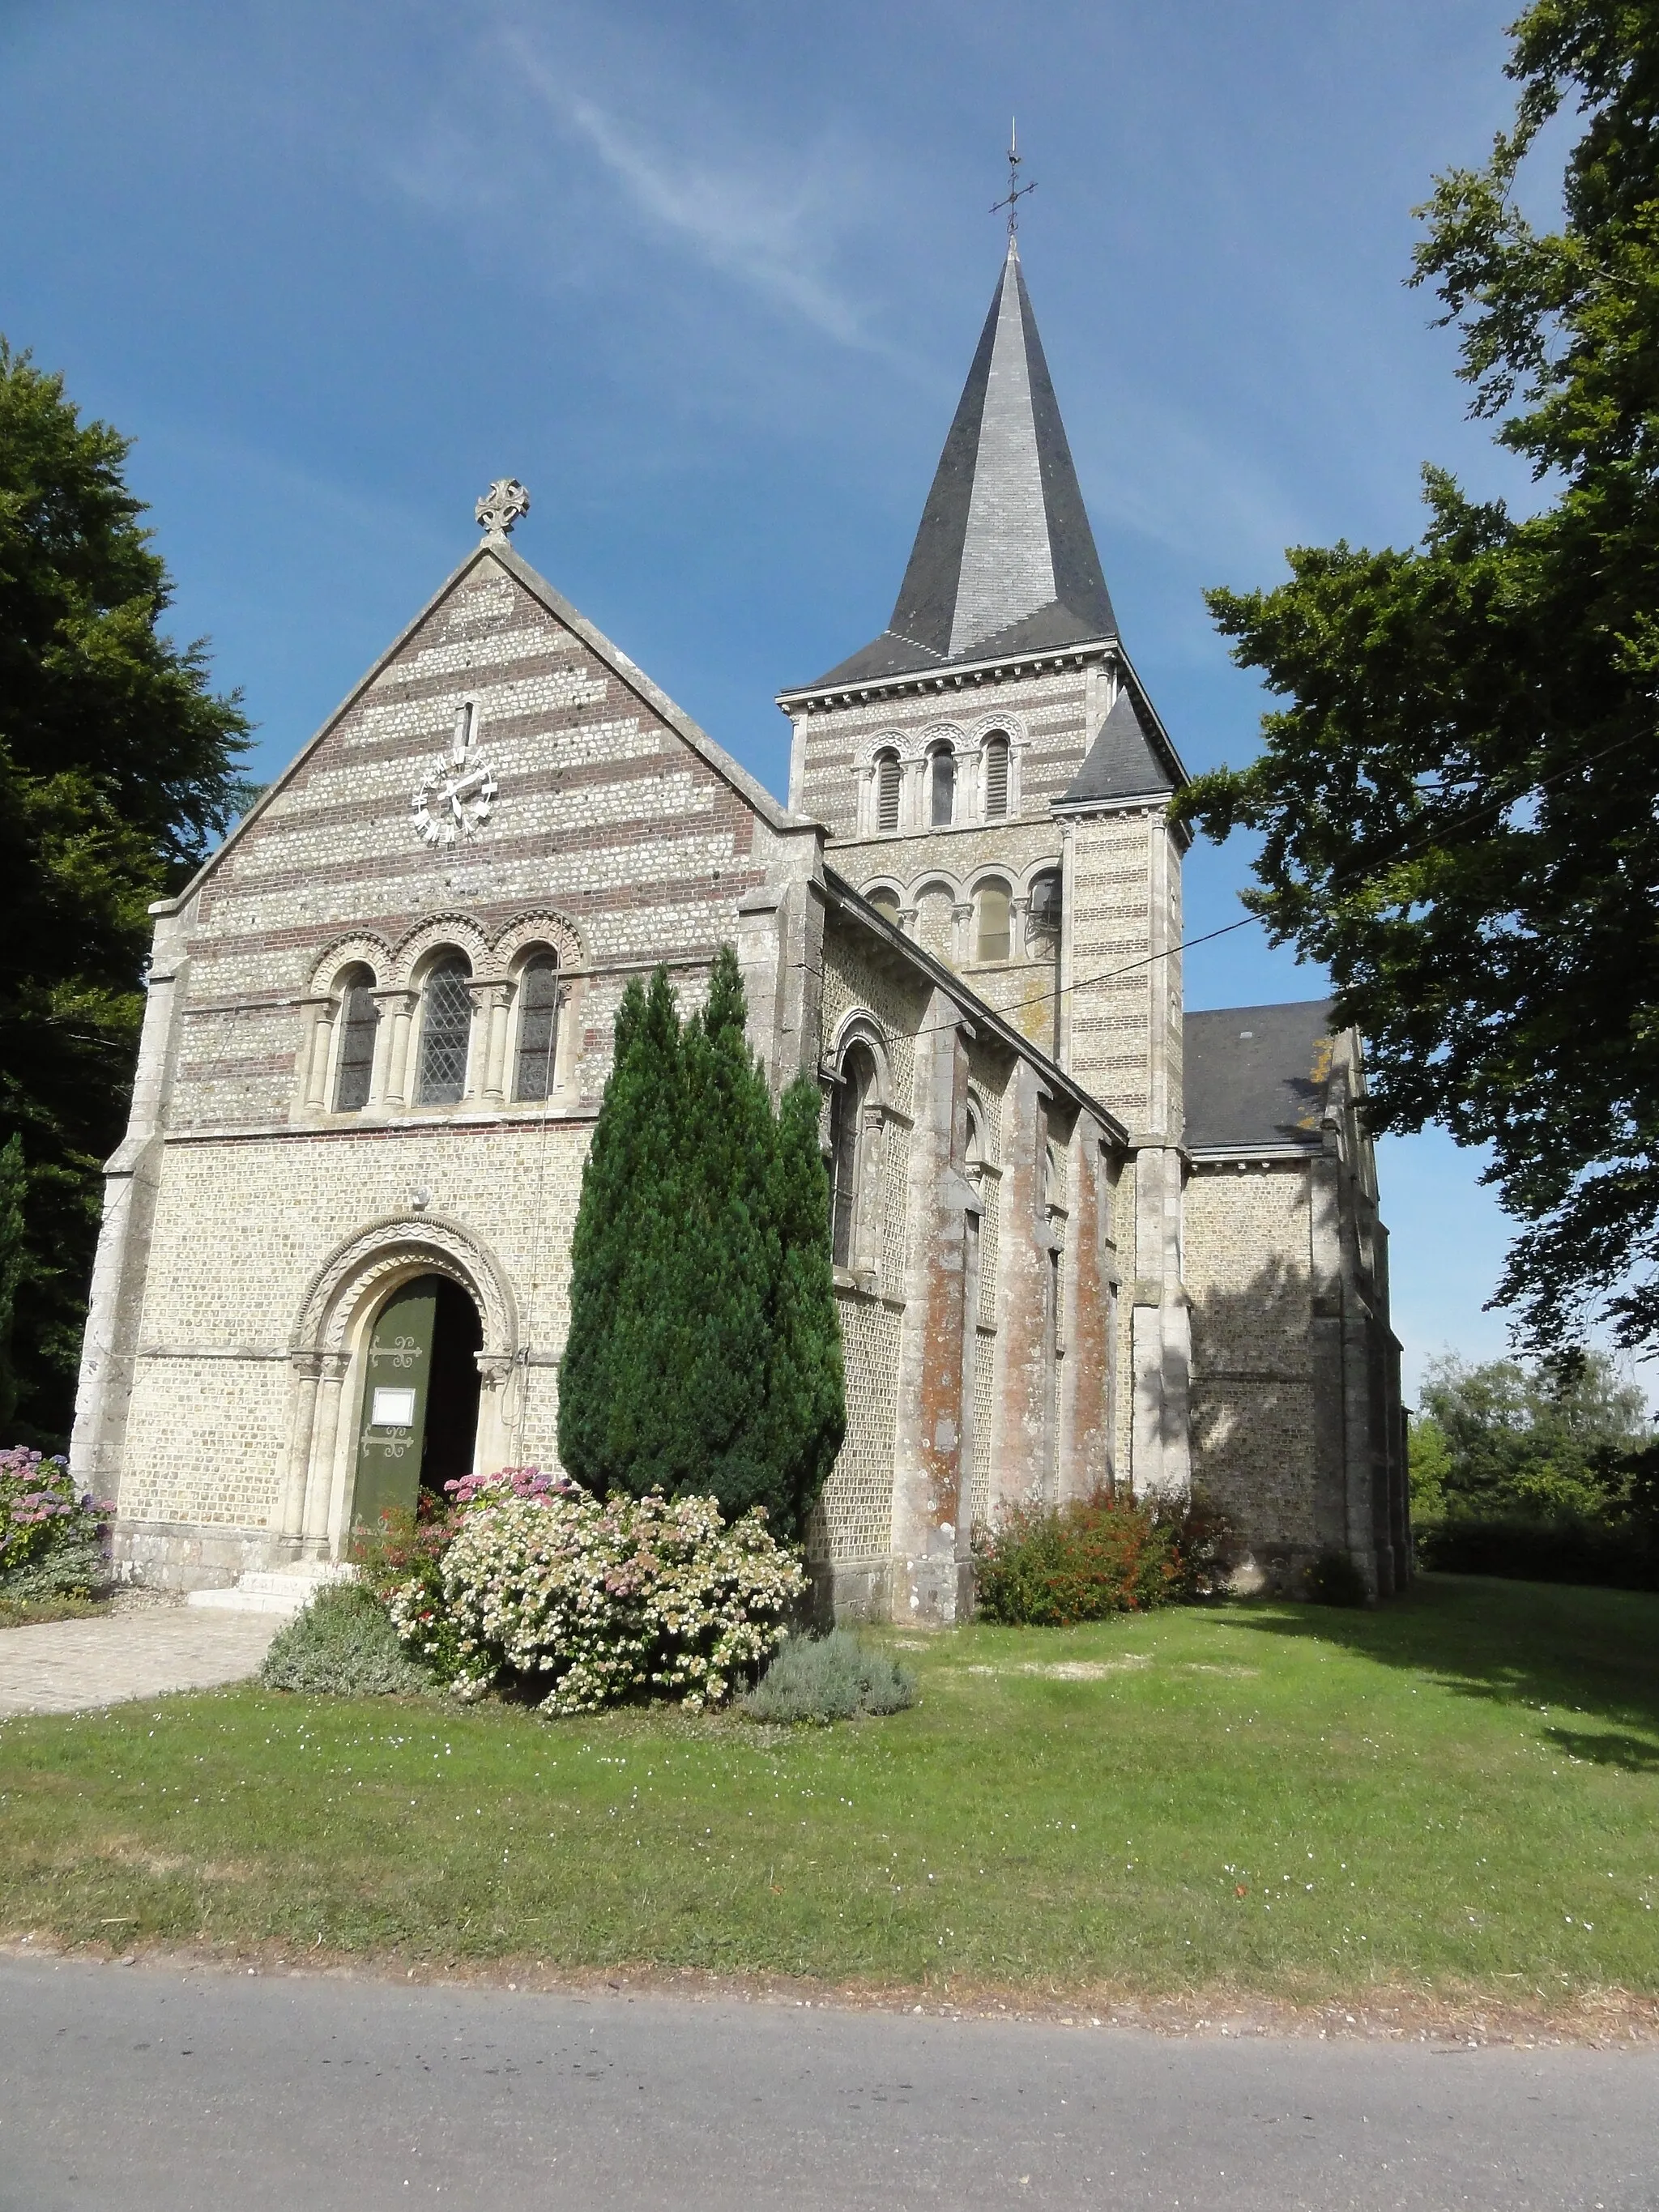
{"x": 704, "y": 1353}
{"x": 1505, "y": 1437}
{"x": 117, "y": 772}
{"x": 1459, "y": 798}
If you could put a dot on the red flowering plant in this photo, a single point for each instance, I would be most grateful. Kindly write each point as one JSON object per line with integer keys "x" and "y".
{"x": 1051, "y": 1566}
{"x": 51, "y": 1535}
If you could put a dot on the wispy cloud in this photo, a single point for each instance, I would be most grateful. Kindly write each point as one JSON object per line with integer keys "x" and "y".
{"x": 738, "y": 223}
{"x": 773, "y": 218}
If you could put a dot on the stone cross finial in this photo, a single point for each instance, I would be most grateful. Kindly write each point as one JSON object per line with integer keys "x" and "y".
{"x": 502, "y": 505}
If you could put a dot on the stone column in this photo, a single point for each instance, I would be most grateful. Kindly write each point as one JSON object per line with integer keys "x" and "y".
{"x": 393, "y": 1074}
{"x": 307, "y": 1370}
{"x": 490, "y": 1003}
{"x": 913, "y": 795}
{"x": 319, "y": 1038}
{"x": 326, "y": 1500}
{"x": 962, "y": 923}
{"x": 496, "y": 1372}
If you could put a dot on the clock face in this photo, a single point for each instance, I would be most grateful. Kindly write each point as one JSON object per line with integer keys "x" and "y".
{"x": 455, "y": 800}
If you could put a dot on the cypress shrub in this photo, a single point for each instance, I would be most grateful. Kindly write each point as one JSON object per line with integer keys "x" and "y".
{"x": 704, "y": 1354}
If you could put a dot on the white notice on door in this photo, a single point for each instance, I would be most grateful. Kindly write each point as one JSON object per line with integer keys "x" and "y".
{"x": 393, "y": 1409}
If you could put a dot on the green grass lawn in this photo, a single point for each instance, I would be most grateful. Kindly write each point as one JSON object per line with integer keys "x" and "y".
{"x": 1458, "y": 1793}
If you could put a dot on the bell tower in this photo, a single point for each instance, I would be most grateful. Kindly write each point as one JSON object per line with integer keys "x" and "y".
{"x": 994, "y": 776}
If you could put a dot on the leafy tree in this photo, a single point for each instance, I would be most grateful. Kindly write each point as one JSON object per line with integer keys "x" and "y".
{"x": 11, "y": 1266}
{"x": 1459, "y": 798}
{"x": 1503, "y": 1438}
{"x": 117, "y": 773}
{"x": 704, "y": 1352}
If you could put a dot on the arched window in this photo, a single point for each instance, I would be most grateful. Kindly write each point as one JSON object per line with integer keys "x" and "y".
{"x": 993, "y": 939}
{"x": 885, "y": 901}
{"x": 538, "y": 1026}
{"x": 446, "y": 1031}
{"x": 942, "y": 786}
{"x": 1044, "y": 925}
{"x": 849, "y": 1153}
{"x": 359, "y": 1018}
{"x": 974, "y": 1146}
{"x": 887, "y": 791}
{"x": 995, "y": 754}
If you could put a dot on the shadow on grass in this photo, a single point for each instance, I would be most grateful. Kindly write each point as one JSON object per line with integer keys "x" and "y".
{"x": 1593, "y": 1653}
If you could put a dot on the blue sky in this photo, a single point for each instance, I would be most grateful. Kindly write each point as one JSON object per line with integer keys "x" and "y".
{"x": 707, "y": 278}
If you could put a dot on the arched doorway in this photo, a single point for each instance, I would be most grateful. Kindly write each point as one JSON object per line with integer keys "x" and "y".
{"x": 418, "y": 1426}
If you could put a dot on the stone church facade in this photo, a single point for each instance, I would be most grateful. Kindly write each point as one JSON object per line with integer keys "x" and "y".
{"x": 1080, "y": 1236}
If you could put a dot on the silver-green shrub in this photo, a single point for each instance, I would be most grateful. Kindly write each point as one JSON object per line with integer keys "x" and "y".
{"x": 343, "y": 1644}
{"x": 830, "y": 1678}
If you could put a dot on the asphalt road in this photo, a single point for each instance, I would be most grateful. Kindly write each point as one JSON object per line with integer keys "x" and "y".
{"x": 148, "y": 2087}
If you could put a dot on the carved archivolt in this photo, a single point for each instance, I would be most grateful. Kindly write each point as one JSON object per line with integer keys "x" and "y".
{"x": 441, "y": 930}
{"x": 543, "y": 927}
{"x": 905, "y": 743}
{"x": 1011, "y": 727}
{"x": 372, "y": 1259}
{"x": 362, "y": 950}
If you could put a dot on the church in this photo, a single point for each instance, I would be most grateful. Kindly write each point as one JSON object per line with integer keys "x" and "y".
{"x": 1080, "y": 1236}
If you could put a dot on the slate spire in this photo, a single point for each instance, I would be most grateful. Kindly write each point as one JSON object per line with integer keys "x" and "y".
{"x": 1004, "y": 560}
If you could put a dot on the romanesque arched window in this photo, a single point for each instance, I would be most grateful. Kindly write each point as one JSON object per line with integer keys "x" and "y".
{"x": 1042, "y": 934}
{"x": 359, "y": 1020}
{"x": 446, "y": 1031}
{"x": 885, "y": 901}
{"x": 974, "y": 1143}
{"x": 536, "y": 1061}
{"x": 888, "y": 787}
{"x": 941, "y": 787}
{"x": 993, "y": 933}
{"x": 994, "y": 757}
{"x": 849, "y": 1155}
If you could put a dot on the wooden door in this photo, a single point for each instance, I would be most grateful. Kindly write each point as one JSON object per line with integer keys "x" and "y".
{"x": 393, "y": 1432}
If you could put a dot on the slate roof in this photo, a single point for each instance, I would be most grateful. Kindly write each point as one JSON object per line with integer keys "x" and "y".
{"x": 1130, "y": 758}
{"x": 1256, "y": 1076}
{"x": 1005, "y": 561}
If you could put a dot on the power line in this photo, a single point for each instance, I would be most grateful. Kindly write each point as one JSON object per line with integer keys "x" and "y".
{"x": 1391, "y": 860}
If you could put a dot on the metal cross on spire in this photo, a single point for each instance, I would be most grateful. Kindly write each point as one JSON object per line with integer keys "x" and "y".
{"x": 1017, "y": 192}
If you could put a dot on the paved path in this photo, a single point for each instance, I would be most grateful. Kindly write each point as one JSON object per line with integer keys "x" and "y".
{"x": 64, "y": 1666}
{"x": 162, "y": 2090}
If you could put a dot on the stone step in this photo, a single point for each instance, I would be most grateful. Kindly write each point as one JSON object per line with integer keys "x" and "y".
{"x": 273, "y": 1589}
{"x": 238, "y": 1599}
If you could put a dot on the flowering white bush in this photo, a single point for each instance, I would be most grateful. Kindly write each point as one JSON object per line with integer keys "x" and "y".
{"x": 608, "y": 1598}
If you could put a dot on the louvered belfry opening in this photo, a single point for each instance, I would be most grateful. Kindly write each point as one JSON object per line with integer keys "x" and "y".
{"x": 446, "y": 1031}
{"x": 996, "y": 777}
{"x": 887, "y": 791}
{"x": 539, "y": 1027}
